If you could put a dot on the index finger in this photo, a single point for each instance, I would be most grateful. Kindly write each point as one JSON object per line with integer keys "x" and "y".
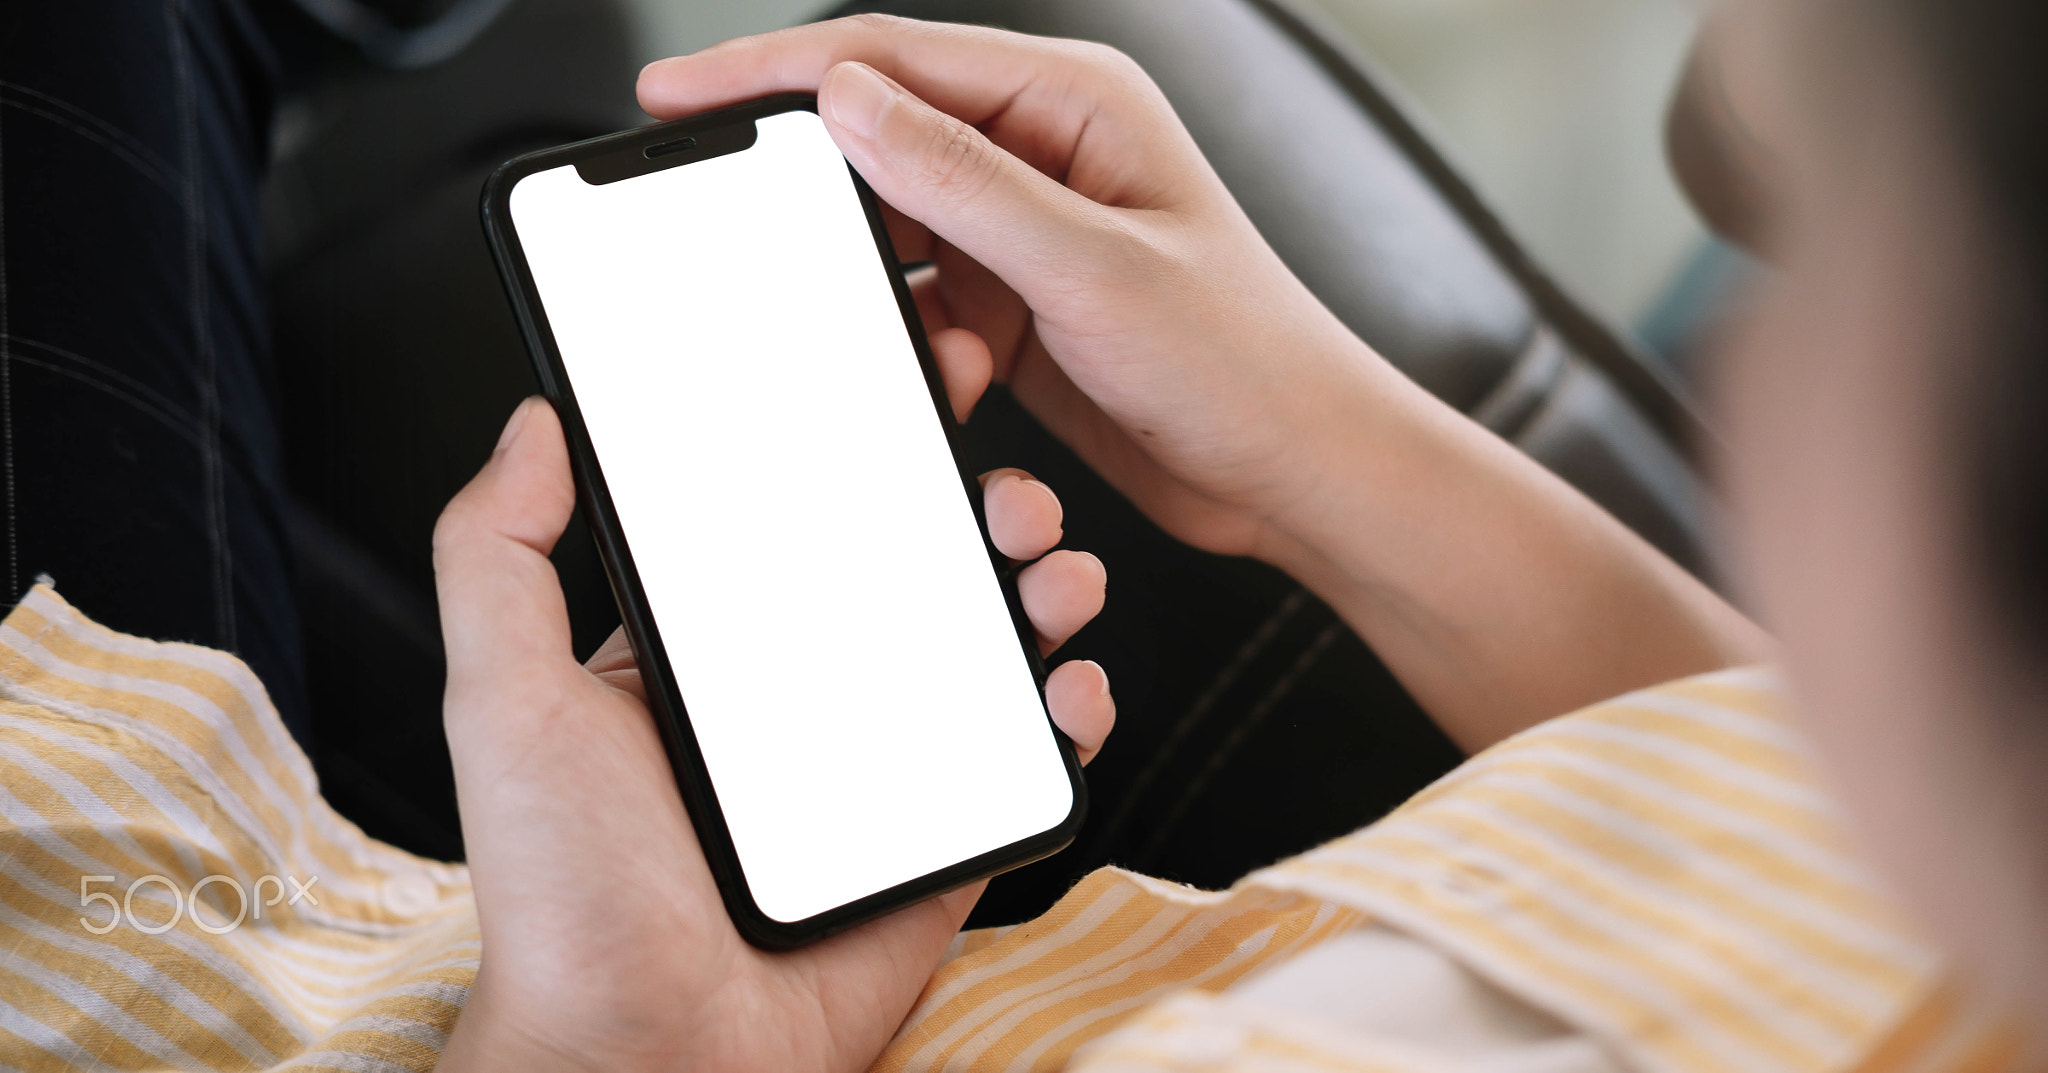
{"x": 969, "y": 72}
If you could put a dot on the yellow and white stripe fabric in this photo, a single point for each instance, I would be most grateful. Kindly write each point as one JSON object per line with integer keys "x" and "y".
{"x": 1658, "y": 872}
{"x": 122, "y": 759}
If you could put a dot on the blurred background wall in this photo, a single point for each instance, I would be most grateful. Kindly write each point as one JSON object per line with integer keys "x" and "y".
{"x": 1552, "y": 107}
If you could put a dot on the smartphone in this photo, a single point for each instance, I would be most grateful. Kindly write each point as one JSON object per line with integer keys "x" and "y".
{"x": 843, "y": 675}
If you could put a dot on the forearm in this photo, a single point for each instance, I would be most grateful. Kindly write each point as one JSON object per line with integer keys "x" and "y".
{"x": 1496, "y": 593}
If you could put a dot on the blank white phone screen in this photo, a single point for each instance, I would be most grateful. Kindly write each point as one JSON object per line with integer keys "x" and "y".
{"x": 807, "y": 550}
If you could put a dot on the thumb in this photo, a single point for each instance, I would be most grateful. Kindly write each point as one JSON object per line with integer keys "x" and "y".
{"x": 503, "y": 619}
{"x": 1004, "y": 213}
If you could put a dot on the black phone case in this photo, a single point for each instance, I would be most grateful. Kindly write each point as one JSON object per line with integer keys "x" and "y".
{"x": 636, "y": 152}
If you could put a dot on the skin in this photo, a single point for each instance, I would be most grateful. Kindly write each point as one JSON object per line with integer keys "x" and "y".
{"x": 1132, "y": 307}
{"x": 1841, "y": 393}
{"x": 609, "y": 946}
{"x": 1087, "y": 256}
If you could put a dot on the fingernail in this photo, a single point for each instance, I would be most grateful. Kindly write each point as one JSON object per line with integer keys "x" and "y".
{"x": 1104, "y": 688}
{"x": 1039, "y": 486}
{"x": 858, "y": 97}
{"x": 1030, "y": 484}
{"x": 514, "y": 424}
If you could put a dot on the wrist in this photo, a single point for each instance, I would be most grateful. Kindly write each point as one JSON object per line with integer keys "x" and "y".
{"x": 1362, "y": 435}
{"x": 1318, "y": 572}
{"x": 486, "y": 1038}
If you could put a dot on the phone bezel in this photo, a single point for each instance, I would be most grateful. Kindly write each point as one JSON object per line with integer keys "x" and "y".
{"x": 693, "y": 779}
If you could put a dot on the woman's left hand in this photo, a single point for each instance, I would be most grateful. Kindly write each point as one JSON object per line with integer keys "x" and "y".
{"x": 606, "y": 945}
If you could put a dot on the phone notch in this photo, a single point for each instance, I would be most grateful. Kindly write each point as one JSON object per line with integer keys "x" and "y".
{"x": 664, "y": 146}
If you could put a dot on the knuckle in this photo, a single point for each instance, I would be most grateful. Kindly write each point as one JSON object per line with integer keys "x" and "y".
{"x": 877, "y": 23}
{"x": 1123, "y": 78}
{"x": 958, "y": 161}
{"x": 1110, "y": 58}
{"x": 1112, "y": 64}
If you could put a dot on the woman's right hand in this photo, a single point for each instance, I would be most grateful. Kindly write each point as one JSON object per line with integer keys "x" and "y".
{"x": 1086, "y": 254}
{"x": 1076, "y": 230}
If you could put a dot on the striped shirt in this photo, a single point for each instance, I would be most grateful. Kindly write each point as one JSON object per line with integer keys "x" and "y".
{"x": 1659, "y": 873}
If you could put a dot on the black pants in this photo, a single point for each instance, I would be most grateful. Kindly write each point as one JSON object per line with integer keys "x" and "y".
{"x": 138, "y": 449}
{"x": 144, "y": 470}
